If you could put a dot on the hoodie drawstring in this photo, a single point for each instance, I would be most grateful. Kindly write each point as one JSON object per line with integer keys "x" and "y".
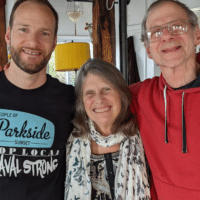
{"x": 184, "y": 141}
{"x": 165, "y": 99}
{"x": 184, "y": 150}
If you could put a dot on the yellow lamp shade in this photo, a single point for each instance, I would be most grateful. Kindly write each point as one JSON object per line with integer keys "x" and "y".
{"x": 71, "y": 56}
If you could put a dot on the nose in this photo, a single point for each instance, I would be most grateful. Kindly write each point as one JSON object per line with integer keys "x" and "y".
{"x": 33, "y": 40}
{"x": 99, "y": 98}
{"x": 165, "y": 30}
{"x": 166, "y": 34}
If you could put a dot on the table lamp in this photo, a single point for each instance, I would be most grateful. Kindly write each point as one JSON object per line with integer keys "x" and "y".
{"x": 71, "y": 56}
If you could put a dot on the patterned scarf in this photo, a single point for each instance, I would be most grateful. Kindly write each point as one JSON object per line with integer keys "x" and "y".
{"x": 131, "y": 181}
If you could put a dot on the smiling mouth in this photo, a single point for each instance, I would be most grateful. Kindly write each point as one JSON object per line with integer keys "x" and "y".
{"x": 31, "y": 53}
{"x": 101, "y": 110}
{"x": 173, "y": 49}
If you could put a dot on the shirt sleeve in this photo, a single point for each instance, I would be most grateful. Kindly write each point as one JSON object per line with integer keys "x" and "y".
{"x": 135, "y": 88}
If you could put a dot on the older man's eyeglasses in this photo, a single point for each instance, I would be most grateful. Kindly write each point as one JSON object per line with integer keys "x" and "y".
{"x": 176, "y": 27}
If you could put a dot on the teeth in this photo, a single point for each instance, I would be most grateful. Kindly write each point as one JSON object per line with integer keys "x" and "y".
{"x": 31, "y": 53}
{"x": 169, "y": 50}
{"x": 101, "y": 110}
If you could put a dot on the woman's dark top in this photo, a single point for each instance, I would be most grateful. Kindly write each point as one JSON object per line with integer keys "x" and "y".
{"x": 103, "y": 170}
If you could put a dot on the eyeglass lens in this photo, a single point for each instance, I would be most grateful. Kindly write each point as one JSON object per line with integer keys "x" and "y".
{"x": 176, "y": 28}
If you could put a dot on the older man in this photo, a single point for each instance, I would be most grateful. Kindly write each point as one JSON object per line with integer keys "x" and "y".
{"x": 168, "y": 107}
{"x": 35, "y": 109}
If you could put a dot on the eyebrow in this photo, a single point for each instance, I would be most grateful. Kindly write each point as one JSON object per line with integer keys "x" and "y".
{"x": 89, "y": 90}
{"x": 26, "y": 25}
{"x": 159, "y": 25}
{"x": 165, "y": 23}
{"x": 45, "y": 29}
{"x": 23, "y": 25}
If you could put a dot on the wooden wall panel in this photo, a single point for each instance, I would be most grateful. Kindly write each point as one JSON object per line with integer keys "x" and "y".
{"x": 3, "y": 52}
{"x": 104, "y": 41}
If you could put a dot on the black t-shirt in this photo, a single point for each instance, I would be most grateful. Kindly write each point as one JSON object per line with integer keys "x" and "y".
{"x": 34, "y": 128}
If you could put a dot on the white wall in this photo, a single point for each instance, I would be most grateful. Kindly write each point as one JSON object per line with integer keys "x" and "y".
{"x": 66, "y": 26}
{"x": 8, "y": 8}
{"x": 191, "y": 3}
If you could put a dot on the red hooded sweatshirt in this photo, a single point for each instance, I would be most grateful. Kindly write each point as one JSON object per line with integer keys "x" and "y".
{"x": 169, "y": 123}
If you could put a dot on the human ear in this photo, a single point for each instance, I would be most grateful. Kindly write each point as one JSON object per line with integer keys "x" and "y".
{"x": 148, "y": 51}
{"x": 7, "y": 36}
{"x": 197, "y": 35}
{"x": 55, "y": 43}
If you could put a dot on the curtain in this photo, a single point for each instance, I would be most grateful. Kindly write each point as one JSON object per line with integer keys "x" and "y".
{"x": 133, "y": 74}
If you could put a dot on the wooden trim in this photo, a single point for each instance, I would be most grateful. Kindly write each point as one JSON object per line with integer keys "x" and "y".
{"x": 2, "y": 3}
{"x": 104, "y": 41}
{"x": 3, "y": 50}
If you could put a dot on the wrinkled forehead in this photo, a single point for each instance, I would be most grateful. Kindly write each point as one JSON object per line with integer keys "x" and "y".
{"x": 97, "y": 74}
{"x": 164, "y": 13}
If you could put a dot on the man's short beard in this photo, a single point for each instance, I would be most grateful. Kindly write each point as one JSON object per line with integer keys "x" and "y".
{"x": 28, "y": 67}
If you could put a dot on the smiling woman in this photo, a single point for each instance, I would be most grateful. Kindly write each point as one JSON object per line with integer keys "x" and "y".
{"x": 102, "y": 102}
{"x": 105, "y": 157}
